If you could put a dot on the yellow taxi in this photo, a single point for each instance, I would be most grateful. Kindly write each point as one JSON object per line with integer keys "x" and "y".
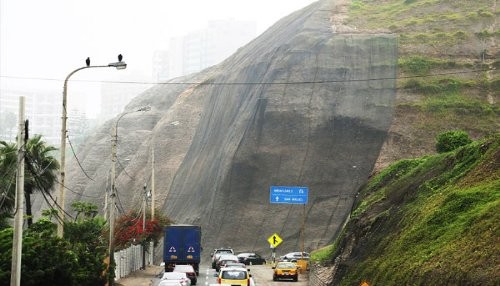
{"x": 234, "y": 276}
{"x": 285, "y": 270}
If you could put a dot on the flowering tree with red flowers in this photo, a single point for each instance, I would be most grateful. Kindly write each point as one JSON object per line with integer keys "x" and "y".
{"x": 130, "y": 229}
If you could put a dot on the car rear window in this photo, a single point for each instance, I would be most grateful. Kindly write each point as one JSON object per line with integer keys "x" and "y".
{"x": 174, "y": 275}
{"x": 234, "y": 275}
{"x": 285, "y": 265}
{"x": 183, "y": 268}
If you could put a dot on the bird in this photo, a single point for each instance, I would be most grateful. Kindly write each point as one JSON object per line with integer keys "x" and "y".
{"x": 87, "y": 61}
{"x": 120, "y": 57}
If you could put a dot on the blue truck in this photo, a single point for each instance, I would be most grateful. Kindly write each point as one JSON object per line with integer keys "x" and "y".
{"x": 182, "y": 245}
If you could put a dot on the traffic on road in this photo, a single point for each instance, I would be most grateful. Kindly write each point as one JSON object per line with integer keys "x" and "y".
{"x": 262, "y": 273}
{"x": 182, "y": 253}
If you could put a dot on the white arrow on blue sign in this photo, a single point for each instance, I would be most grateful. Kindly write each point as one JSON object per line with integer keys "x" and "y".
{"x": 288, "y": 195}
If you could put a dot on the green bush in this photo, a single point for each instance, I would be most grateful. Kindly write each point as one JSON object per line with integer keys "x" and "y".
{"x": 76, "y": 259}
{"x": 451, "y": 140}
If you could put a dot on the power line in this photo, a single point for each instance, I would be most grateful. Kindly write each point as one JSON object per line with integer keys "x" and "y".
{"x": 121, "y": 209}
{"x": 124, "y": 170}
{"x": 255, "y": 83}
{"x": 36, "y": 178}
{"x": 77, "y": 193}
{"x": 77, "y": 160}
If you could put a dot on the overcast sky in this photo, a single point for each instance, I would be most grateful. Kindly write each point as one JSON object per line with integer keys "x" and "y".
{"x": 48, "y": 39}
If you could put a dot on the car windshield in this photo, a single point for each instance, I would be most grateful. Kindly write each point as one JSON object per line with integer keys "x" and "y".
{"x": 234, "y": 274}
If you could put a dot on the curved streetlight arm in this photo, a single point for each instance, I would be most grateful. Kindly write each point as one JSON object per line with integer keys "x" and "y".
{"x": 60, "y": 226}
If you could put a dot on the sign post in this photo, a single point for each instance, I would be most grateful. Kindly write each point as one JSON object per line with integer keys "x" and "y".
{"x": 290, "y": 195}
{"x": 274, "y": 240}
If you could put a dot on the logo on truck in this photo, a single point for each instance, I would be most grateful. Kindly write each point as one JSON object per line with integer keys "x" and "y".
{"x": 172, "y": 249}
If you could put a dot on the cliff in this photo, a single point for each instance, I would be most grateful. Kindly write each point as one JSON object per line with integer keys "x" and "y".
{"x": 301, "y": 105}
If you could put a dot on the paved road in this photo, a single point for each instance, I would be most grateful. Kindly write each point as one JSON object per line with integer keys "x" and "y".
{"x": 262, "y": 275}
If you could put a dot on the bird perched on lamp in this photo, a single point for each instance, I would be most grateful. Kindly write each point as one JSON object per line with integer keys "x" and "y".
{"x": 87, "y": 61}
{"x": 120, "y": 57}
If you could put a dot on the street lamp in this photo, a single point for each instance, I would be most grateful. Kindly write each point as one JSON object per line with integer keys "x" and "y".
{"x": 118, "y": 65}
{"x": 112, "y": 192}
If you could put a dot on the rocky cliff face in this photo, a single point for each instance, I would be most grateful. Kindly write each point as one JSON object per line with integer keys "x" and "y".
{"x": 298, "y": 106}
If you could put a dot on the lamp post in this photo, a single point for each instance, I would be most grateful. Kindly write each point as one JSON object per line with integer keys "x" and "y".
{"x": 118, "y": 65}
{"x": 146, "y": 196}
{"x": 112, "y": 193}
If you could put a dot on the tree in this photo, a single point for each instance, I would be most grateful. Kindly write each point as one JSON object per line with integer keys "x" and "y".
{"x": 89, "y": 210}
{"x": 46, "y": 259}
{"x": 129, "y": 229}
{"x": 40, "y": 172}
{"x": 451, "y": 140}
{"x": 8, "y": 161}
{"x": 76, "y": 259}
{"x": 89, "y": 243}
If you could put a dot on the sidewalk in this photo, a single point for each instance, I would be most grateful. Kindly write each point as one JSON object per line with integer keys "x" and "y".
{"x": 141, "y": 277}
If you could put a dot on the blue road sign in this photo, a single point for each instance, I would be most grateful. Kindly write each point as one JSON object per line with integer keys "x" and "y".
{"x": 288, "y": 195}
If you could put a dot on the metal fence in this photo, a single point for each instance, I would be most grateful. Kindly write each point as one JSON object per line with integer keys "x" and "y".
{"x": 130, "y": 259}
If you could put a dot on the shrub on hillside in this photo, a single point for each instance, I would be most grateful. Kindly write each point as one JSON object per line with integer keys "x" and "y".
{"x": 451, "y": 140}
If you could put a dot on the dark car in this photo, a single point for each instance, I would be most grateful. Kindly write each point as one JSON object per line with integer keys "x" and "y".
{"x": 223, "y": 259}
{"x": 218, "y": 252}
{"x": 251, "y": 258}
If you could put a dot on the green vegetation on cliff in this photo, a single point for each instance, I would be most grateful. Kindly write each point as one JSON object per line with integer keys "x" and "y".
{"x": 427, "y": 221}
{"x": 432, "y": 219}
{"x": 448, "y": 67}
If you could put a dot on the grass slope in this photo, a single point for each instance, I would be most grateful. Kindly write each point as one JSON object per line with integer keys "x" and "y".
{"x": 426, "y": 221}
{"x": 431, "y": 220}
{"x": 449, "y": 76}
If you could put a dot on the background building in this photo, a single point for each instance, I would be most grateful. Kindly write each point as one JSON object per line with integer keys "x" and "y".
{"x": 202, "y": 48}
{"x": 44, "y": 116}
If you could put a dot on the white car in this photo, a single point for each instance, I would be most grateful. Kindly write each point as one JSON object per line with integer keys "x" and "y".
{"x": 294, "y": 256}
{"x": 188, "y": 270}
{"x": 218, "y": 252}
{"x": 177, "y": 276}
{"x": 169, "y": 283}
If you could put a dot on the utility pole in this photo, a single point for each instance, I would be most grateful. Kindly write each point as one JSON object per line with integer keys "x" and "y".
{"x": 17, "y": 243}
{"x": 144, "y": 227}
{"x": 303, "y": 231}
{"x": 152, "y": 181}
{"x": 106, "y": 200}
{"x": 112, "y": 195}
{"x": 111, "y": 202}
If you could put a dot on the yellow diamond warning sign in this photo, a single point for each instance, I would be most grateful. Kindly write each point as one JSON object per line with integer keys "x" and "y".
{"x": 275, "y": 240}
